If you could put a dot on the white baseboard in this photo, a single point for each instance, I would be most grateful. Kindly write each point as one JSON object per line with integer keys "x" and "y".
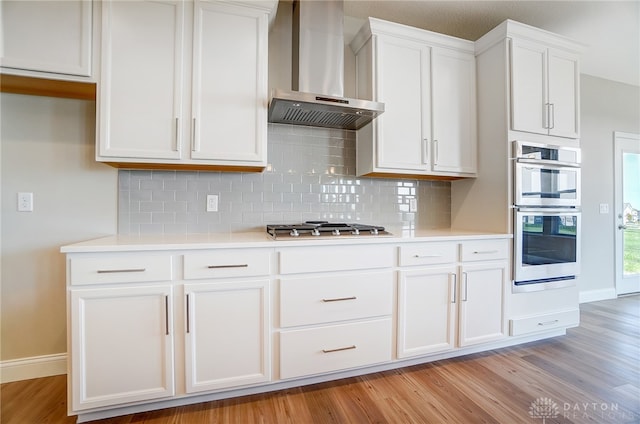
{"x": 33, "y": 367}
{"x": 595, "y": 295}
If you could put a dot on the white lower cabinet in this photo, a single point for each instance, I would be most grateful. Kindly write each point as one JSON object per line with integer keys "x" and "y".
{"x": 545, "y": 322}
{"x": 121, "y": 344}
{"x": 149, "y": 327}
{"x": 227, "y": 327}
{"x": 482, "y": 293}
{"x": 335, "y": 347}
{"x": 126, "y": 337}
{"x": 446, "y": 303}
{"x": 545, "y": 310}
{"x": 427, "y": 311}
{"x": 338, "y": 316}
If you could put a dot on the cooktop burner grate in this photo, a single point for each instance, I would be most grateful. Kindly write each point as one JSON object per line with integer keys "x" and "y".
{"x": 310, "y": 229}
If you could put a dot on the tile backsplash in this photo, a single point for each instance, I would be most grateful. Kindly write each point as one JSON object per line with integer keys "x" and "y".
{"x": 310, "y": 176}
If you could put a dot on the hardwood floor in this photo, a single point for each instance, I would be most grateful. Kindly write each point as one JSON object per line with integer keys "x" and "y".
{"x": 591, "y": 375}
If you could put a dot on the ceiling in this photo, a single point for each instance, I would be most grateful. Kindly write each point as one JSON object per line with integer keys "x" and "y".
{"x": 609, "y": 29}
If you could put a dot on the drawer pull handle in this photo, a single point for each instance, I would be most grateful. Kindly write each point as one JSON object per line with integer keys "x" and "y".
{"x": 338, "y": 299}
{"x": 339, "y": 349}
{"x": 228, "y": 266}
{"x": 115, "y": 271}
{"x": 484, "y": 252}
{"x": 555, "y": 321}
{"x": 427, "y": 256}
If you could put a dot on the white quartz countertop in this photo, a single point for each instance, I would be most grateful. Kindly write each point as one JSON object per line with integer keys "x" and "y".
{"x": 128, "y": 243}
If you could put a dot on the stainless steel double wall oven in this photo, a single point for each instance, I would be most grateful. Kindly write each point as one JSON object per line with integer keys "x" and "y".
{"x": 547, "y": 216}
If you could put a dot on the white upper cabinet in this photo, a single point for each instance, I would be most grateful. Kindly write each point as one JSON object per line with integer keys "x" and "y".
{"x": 427, "y": 83}
{"x": 454, "y": 111}
{"x": 141, "y": 88}
{"x": 46, "y": 38}
{"x": 544, "y": 89}
{"x": 229, "y": 87}
{"x": 188, "y": 88}
{"x": 402, "y": 66}
{"x": 564, "y": 86}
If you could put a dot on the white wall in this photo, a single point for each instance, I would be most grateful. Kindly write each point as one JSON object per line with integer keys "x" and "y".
{"x": 606, "y": 106}
{"x": 47, "y": 147}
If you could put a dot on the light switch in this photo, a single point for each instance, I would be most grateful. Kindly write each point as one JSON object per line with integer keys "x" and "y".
{"x": 604, "y": 208}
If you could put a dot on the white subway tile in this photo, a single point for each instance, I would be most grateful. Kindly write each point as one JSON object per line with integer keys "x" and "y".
{"x": 310, "y": 177}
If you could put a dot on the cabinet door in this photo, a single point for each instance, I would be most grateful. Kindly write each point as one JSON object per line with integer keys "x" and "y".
{"x": 426, "y": 311}
{"x": 481, "y": 303}
{"x": 454, "y": 137}
{"x": 227, "y": 334}
{"x": 140, "y": 92}
{"x": 229, "y": 92}
{"x": 564, "y": 87}
{"x": 529, "y": 87}
{"x": 47, "y": 36}
{"x": 403, "y": 86}
{"x": 121, "y": 345}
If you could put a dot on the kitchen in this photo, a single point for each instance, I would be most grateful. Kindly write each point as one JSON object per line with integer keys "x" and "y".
{"x": 268, "y": 197}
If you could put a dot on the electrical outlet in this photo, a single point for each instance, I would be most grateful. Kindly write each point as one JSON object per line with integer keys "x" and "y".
{"x": 25, "y": 202}
{"x": 212, "y": 203}
{"x": 413, "y": 205}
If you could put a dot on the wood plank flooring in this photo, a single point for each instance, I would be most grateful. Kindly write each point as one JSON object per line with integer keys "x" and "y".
{"x": 591, "y": 375}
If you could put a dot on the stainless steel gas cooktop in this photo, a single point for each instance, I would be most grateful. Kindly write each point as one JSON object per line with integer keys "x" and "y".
{"x": 311, "y": 229}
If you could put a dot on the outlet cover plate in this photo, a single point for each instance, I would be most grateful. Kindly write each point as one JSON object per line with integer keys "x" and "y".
{"x": 212, "y": 203}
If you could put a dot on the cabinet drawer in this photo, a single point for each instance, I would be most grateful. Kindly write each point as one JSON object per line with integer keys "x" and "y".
{"x": 534, "y": 324}
{"x": 335, "y": 258}
{"x": 428, "y": 253}
{"x": 335, "y": 347}
{"x": 227, "y": 263}
{"x": 119, "y": 269}
{"x": 484, "y": 250}
{"x": 318, "y": 300}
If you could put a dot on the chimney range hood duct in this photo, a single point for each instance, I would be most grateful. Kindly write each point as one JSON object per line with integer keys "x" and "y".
{"x": 317, "y": 75}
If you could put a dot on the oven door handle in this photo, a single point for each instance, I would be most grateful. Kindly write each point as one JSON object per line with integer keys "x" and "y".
{"x": 544, "y": 163}
{"x": 548, "y": 210}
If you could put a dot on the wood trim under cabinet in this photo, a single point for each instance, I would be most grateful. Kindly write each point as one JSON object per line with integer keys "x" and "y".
{"x": 415, "y": 176}
{"x": 17, "y": 84}
{"x": 185, "y": 167}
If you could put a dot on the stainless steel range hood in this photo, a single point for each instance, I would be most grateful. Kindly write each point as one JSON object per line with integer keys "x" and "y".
{"x": 316, "y": 98}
